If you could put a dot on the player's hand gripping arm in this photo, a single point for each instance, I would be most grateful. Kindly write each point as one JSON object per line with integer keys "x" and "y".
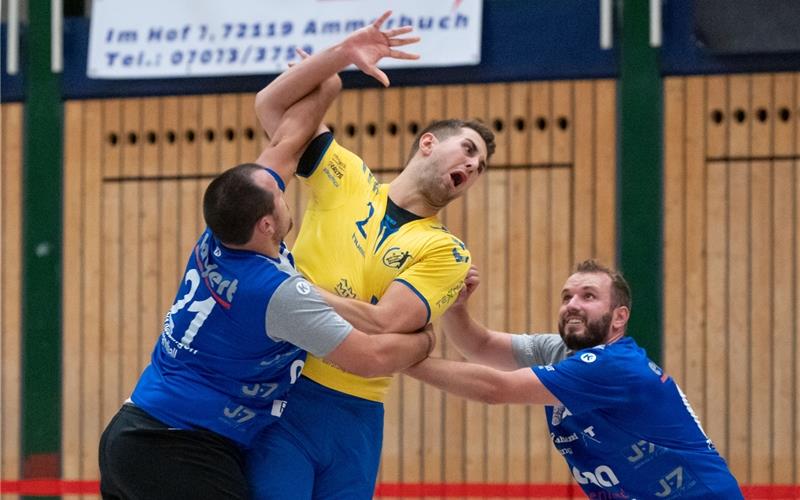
{"x": 476, "y": 342}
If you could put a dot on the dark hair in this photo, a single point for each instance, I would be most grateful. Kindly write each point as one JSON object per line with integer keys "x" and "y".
{"x": 233, "y": 203}
{"x": 620, "y": 291}
{"x": 443, "y": 129}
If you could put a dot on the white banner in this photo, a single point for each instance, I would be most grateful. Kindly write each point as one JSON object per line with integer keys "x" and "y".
{"x": 182, "y": 38}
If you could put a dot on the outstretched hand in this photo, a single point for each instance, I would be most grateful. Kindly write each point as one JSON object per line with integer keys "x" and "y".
{"x": 369, "y": 45}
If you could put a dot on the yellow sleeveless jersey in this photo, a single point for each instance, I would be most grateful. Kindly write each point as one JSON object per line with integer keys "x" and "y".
{"x": 351, "y": 245}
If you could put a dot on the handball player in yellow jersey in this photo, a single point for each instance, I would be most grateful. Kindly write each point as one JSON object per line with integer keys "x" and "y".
{"x": 379, "y": 254}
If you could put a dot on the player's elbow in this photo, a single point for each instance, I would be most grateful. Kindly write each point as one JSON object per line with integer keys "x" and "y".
{"x": 486, "y": 395}
{"x": 268, "y": 115}
{"x": 491, "y": 389}
{"x": 331, "y": 87}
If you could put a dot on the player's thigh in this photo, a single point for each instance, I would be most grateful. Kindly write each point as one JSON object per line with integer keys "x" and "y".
{"x": 352, "y": 475}
{"x": 279, "y": 469}
{"x": 142, "y": 458}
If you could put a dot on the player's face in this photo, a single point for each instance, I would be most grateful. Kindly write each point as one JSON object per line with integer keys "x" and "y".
{"x": 455, "y": 164}
{"x": 584, "y": 318}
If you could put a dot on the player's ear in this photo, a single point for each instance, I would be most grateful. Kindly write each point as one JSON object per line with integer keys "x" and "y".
{"x": 620, "y": 316}
{"x": 426, "y": 143}
{"x": 265, "y": 225}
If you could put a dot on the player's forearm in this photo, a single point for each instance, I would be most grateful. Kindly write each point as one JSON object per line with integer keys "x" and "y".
{"x": 382, "y": 355}
{"x": 297, "y": 82}
{"x": 482, "y": 383}
{"x": 357, "y": 313}
{"x": 466, "y": 334}
{"x": 369, "y": 318}
{"x": 468, "y": 380}
{"x": 397, "y": 351}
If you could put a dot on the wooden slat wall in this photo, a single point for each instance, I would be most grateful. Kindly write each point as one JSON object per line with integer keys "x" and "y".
{"x": 135, "y": 171}
{"x": 731, "y": 264}
{"x": 10, "y": 287}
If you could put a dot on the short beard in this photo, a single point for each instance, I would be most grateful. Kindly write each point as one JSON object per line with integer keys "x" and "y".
{"x": 433, "y": 188}
{"x": 595, "y": 334}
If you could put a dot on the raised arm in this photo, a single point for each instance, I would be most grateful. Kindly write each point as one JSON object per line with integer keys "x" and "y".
{"x": 364, "y": 48}
{"x": 297, "y": 126}
{"x": 482, "y": 383}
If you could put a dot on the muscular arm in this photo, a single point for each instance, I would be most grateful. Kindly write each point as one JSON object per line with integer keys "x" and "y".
{"x": 398, "y": 310}
{"x": 297, "y": 314}
{"x": 293, "y": 92}
{"x": 297, "y": 126}
{"x": 380, "y": 355}
{"x": 482, "y": 383}
{"x": 501, "y": 350}
{"x": 476, "y": 342}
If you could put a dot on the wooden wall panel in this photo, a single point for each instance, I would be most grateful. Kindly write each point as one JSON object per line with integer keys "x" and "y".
{"x": 518, "y": 272}
{"x": 718, "y": 386}
{"x": 784, "y": 243}
{"x": 72, "y": 412}
{"x": 136, "y": 171}
{"x": 731, "y": 260}
{"x": 455, "y": 408}
{"x": 10, "y": 286}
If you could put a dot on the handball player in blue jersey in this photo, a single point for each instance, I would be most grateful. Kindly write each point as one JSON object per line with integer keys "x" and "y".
{"x": 234, "y": 342}
{"x": 624, "y": 426}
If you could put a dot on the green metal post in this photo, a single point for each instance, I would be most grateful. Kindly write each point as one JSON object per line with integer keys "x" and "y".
{"x": 41, "y": 294}
{"x": 640, "y": 175}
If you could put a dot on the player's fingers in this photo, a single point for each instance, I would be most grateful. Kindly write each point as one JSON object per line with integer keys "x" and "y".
{"x": 302, "y": 53}
{"x": 399, "y": 54}
{"x": 397, "y": 42}
{"x": 379, "y": 75}
{"x": 378, "y": 22}
{"x": 402, "y": 30}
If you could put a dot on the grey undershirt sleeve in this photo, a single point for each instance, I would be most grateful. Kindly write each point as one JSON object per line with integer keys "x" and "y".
{"x": 297, "y": 314}
{"x": 538, "y": 349}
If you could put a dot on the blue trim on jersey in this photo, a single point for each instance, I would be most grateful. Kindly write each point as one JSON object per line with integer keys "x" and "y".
{"x": 274, "y": 174}
{"x": 421, "y": 297}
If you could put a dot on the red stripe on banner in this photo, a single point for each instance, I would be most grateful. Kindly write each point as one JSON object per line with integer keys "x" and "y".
{"x": 55, "y": 487}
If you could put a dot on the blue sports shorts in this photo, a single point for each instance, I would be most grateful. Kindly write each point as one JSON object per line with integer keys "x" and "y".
{"x": 326, "y": 445}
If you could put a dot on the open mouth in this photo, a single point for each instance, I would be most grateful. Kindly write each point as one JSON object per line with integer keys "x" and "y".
{"x": 458, "y": 178}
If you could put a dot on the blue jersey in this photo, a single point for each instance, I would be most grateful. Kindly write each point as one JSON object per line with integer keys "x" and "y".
{"x": 627, "y": 431}
{"x": 222, "y": 362}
